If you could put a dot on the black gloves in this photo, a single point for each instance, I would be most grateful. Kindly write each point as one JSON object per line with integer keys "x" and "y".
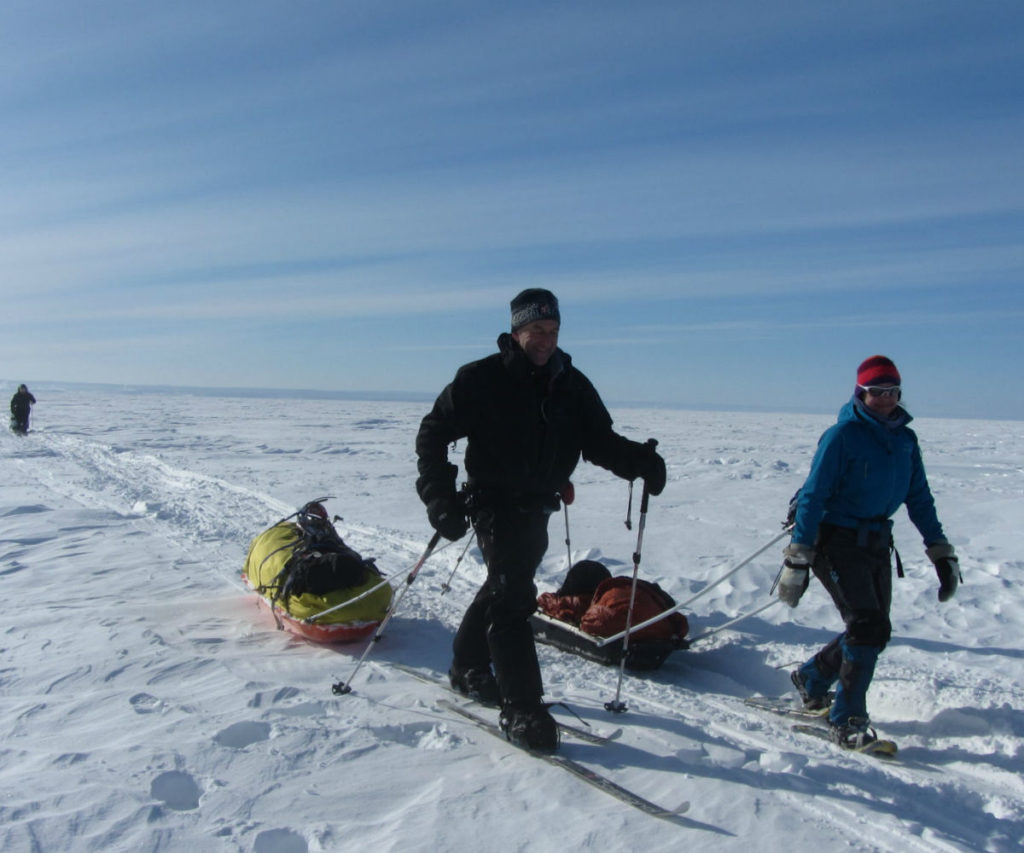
{"x": 795, "y": 575}
{"x": 652, "y": 468}
{"x": 447, "y": 515}
{"x": 947, "y": 567}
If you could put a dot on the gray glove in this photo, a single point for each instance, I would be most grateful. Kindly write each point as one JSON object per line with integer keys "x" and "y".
{"x": 947, "y": 567}
{"x": 795, "y": 575}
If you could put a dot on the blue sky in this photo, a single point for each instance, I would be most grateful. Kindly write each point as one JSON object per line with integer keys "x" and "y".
{"x": 735, "y": 202}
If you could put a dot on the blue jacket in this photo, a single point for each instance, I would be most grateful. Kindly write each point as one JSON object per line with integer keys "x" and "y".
{"x": 863, "y": 470}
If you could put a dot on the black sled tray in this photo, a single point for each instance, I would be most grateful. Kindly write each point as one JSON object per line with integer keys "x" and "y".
{"x": 640, "y": 655}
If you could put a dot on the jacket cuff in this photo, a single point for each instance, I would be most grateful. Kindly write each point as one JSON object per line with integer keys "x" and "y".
{"x": 940, "y": 551}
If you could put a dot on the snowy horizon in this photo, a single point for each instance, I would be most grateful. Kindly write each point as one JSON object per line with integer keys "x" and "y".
{"x": 427, "y": 398}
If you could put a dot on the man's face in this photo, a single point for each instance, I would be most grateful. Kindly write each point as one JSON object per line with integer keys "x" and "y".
{"x": 538, "y": 340}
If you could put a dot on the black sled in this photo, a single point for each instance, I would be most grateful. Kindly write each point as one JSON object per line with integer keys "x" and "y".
{"x": 641, "y": 656}
{"x": 591, "y": 605}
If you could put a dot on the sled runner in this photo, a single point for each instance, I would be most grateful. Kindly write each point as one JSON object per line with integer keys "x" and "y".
{"x": 315, "y": 585}
{"x": 591, "y": 605}
{"x": 640, "y": 656}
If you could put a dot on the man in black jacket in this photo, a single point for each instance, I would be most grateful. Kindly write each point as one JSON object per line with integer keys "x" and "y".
{"x": 21, "y": 404}
{"x": 527, "y": 415}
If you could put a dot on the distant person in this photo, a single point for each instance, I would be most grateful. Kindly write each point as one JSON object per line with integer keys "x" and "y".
{"x": 21, "y": 404}
{"x": 867, "y": 465}
{"x": 528, "y": 414}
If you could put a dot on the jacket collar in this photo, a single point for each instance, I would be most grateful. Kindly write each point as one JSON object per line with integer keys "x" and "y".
{"x": 855, "y": 410}
{"x": 515, "y": 359}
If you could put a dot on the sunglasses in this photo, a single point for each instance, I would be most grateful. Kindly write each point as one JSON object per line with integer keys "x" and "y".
{"x": 881, "y": 390}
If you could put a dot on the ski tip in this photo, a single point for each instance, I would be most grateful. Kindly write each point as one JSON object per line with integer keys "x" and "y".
{"x": 682, "y": 808}
{"x": 882, "y": 748}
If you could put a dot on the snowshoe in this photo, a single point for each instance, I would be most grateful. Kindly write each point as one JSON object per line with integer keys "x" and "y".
{"x": 854, "y": 734}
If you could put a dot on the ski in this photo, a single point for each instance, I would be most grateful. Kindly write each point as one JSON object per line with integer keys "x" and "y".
{"x": 817, "y": 724}
{"x": 580, "y": 771}
{"x": 880, "y": 748}
{"x": 569, "y": 730}
{"x": 784, "y": 707}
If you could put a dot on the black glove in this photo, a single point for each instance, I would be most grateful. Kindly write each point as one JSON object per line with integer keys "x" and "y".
{"x": 652, "y": 469}
{"x": 795, "y": 575}
{"x": 447, "y": 515}
{"x": 947, "y": 567}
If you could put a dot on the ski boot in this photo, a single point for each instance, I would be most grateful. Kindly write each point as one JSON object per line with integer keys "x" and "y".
{"x": 811, "y": 703}
{"x": 855, "y": 733}
{"x": 530, "y": 727}
{"x": 475, "y": 682}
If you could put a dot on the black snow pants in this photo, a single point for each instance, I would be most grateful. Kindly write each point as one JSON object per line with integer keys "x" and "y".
{"x": 496, "y": 627}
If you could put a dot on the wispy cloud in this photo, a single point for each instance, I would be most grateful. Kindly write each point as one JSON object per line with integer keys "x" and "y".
{"x": 223, "y": 172}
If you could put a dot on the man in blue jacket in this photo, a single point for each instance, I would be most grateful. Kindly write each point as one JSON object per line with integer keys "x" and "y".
{"x": 867, "y": 465}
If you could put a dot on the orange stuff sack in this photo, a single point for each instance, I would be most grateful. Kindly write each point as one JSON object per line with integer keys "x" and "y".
{"x": 607, "y": 613}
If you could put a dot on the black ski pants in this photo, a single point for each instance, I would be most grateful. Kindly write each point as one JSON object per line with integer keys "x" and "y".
{"x": 854, "y": 567}
{"x": 496, "y": 627}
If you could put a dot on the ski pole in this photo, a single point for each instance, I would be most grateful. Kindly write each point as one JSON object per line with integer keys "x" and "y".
{"x": 339, "y": 688}
{"x": 703, "y": 592}
{"x": 568, "y": 495}
{"x": 616, "y": 705}
{"x": 447, "y": 584}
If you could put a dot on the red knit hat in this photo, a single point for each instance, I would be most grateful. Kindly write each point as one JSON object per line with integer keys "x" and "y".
{"x": 877, "y": 370}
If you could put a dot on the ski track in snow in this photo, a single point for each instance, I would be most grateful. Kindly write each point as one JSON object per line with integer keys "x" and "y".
{"x": 188, "y": 483}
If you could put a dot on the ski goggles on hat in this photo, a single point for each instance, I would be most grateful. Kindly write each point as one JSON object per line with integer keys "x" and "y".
{"x": 881, "y": 390}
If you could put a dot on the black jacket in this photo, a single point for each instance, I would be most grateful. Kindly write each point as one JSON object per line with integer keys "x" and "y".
{"x": 21, "y": 402}
{"x": 526, "y": 429}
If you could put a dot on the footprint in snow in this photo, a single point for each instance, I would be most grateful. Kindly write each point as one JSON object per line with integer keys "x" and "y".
{"x": 280, "y": 841}
{"x": 241, "y": 735}
{"x": 177, "y": 790}
{"x": 419, "y": 735}
{"x": 143, "y": 703}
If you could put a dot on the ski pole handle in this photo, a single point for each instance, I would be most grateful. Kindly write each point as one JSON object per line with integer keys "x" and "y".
{"x": 645, "y": 497}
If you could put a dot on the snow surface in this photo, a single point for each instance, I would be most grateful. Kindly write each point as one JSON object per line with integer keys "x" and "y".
{"x": 147, "y": 703}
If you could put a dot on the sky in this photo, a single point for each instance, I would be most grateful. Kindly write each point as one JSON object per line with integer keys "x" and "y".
{"x": 735, "y": 202}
